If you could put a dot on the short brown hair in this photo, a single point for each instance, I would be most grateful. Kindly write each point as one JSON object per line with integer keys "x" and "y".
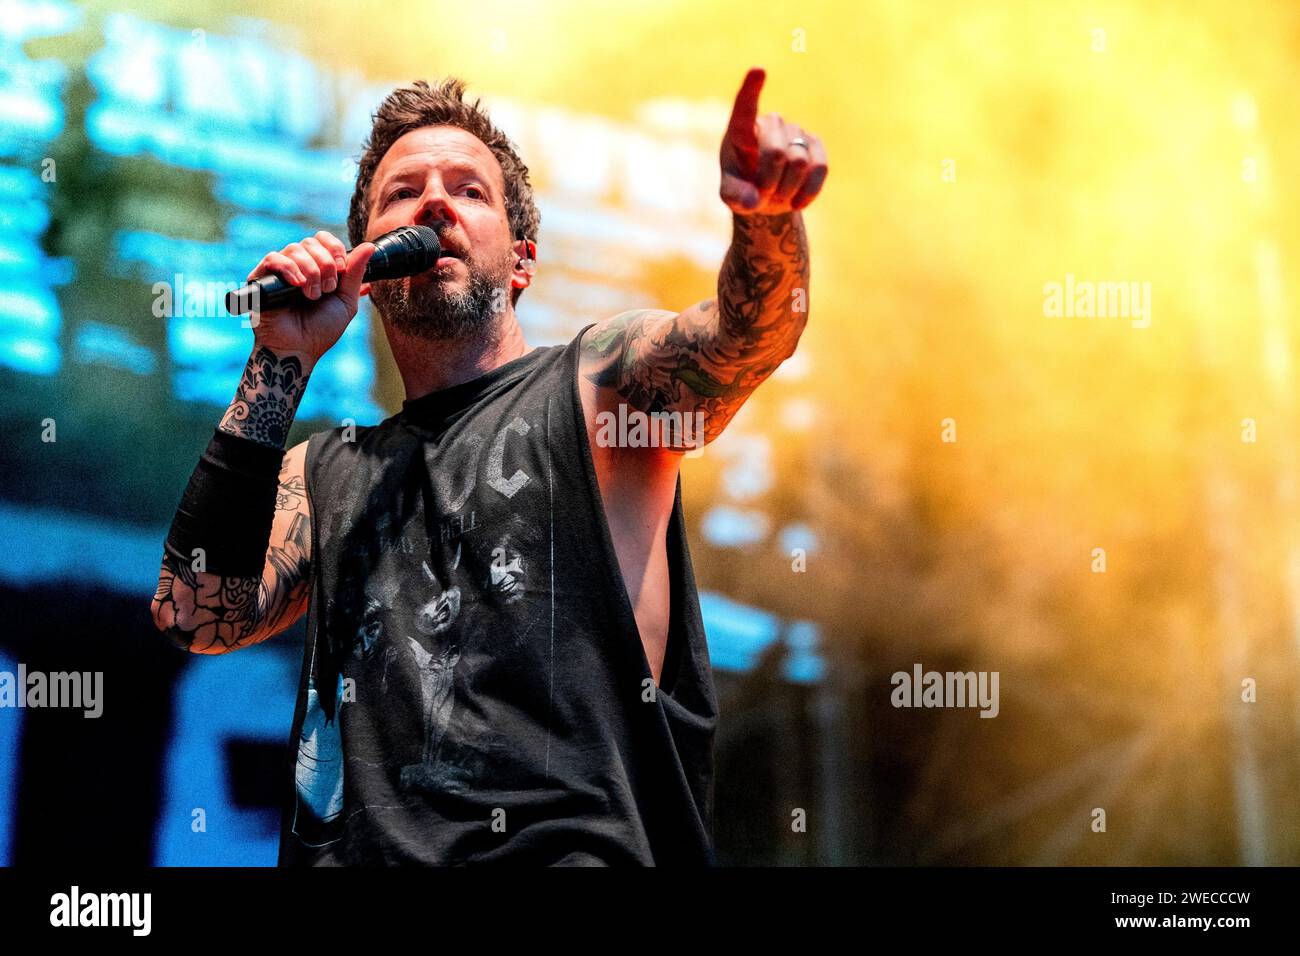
{"x": 412, "y": 107}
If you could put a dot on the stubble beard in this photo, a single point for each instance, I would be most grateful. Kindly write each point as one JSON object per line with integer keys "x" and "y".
{"x": 431, "y": 310}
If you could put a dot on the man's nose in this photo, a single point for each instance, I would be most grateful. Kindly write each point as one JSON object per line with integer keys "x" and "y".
{"x": 434, "y": 208}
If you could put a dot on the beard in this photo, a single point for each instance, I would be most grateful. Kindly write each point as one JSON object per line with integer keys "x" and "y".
{"x": 432, "y": 311}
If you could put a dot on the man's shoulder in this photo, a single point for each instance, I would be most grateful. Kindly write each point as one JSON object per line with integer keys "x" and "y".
{"x": 601, "y": 335}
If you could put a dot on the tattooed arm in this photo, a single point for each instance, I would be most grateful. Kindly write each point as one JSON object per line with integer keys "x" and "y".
{"x": 710, "y": 358}
{"x": 209, "y": 613}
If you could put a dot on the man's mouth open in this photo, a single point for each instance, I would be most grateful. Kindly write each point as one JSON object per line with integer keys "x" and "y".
{"x": 447, "y": 257}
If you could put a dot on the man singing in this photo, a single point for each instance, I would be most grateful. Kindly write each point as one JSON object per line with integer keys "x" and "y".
{"x": 505, "y": 659}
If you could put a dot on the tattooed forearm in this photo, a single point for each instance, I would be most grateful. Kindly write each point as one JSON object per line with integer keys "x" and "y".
{"x": 765, "y": 269}
{"x": 711, "y": 357}
{"x": 211, "y": 614}
{"x": 267, "y": 399}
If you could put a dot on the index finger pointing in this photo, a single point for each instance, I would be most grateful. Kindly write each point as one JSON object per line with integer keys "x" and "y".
{"x": 745, "y": 113}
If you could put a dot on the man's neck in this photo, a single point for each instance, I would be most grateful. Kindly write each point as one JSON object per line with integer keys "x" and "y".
{"x": 427, "y": 366}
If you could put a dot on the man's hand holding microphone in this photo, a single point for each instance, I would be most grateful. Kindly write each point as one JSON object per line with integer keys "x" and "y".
{"x": 304, "y": 296}
{"x": 328, "y": 279}
{"x": 217, "y": 588}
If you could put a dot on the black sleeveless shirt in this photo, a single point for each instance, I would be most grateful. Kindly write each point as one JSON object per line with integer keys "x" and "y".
{"x": 489, "y": 697}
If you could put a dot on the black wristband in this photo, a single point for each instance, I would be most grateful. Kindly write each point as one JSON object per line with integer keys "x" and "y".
{"x": 228, "y": 506}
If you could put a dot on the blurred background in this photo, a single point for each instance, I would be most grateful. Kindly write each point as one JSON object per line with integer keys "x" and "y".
{"x": 952, "y": 472}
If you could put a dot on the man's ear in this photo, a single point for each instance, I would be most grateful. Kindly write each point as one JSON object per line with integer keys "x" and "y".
{"x": 525, "y": 251}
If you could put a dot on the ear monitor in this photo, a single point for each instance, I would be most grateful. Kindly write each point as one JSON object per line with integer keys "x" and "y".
{"x": 529, "y": 262}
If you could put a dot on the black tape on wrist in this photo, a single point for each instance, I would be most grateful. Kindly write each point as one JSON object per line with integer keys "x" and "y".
{"x": 228, "y": 507}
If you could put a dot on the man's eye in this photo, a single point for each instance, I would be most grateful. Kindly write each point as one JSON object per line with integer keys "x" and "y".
{"x": 475, "y": 189}
{"x": 396, "y": 193}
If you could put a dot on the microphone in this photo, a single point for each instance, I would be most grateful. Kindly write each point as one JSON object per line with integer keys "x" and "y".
{"x": 402, "y": 252}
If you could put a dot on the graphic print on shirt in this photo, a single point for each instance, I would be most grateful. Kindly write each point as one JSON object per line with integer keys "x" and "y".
{"x": 436, "y": 668}
{"x": 318, "y": 775}
{"x": 435, "y": 597}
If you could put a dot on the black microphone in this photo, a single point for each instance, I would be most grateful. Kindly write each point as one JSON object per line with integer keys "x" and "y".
{"x": 402, "y": 252}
